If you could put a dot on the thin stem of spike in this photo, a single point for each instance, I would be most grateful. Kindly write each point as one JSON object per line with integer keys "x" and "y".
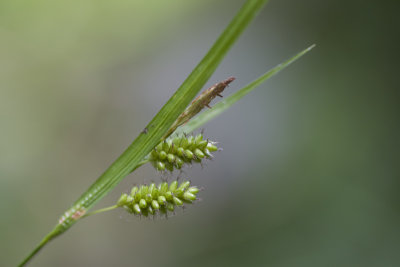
{"x": 100, "y": 211}
{"x": 146, "y": 160}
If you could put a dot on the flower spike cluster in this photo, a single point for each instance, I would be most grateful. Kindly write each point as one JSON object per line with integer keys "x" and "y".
{"x": 175, "y": 152}
{"x": 148, "y": 200}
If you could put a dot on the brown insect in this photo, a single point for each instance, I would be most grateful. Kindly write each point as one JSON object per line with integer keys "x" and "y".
{"x": 203, "y": 100}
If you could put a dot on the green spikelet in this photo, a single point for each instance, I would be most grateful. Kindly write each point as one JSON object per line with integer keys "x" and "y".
{"x": 149, "y": 200}
{"x": 175, "y": 152}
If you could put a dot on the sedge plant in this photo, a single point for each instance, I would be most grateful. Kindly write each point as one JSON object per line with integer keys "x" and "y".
{"x": 163, "y": 142}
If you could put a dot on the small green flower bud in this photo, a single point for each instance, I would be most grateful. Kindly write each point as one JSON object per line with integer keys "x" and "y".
{"x": 148, "y": 198}
{"x": 134, "y": 191}
{"x": 178, "y": 163}
{"x": 193, "y": 190}
{"x": 202, "y": 144}
{"x": 151, "y": 188}
{"x": 190, "y": 141}
{"x": 184, "y": 143}
{"x": 211, "y": 147}
{"x": 177, "y": 201}
{"x": 159, "y": 147}
{"x": 166, "y": 146}
{"x": 143, "y": 190}
{"x": 169, "y": 195}
{"x": 184, "y": 185}
{"x": 171, "y": 158}
{"x": 188, "y": 154}
{"x": 173, "y": 186}
{"x": 181, "y": 189}
{"x": 179, "y": 192}
{"x": 142, "y": 203}
{"x": 163, "y": 187}
{"x": 198, "y": 138}
{"x": 176, "y": 141}
{"x": 180, "y": 151}
{"x": 189, "y": 196}
{"x": 122, "y": 200}
{"x": 162, "y": 200}
{"x": 199, "y": 153}
{"x": 155, "y": 205}
{"x": 137, "y": 209}
{"x": 137, "y": 196}
{"x": 129, "y": 199}
{"x": 155, "y": 192}
{"x": 162, "y": 155}
{"x": 160, "y": 166}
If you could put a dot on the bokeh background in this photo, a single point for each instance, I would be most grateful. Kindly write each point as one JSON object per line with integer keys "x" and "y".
{"x": 309, "y": 171}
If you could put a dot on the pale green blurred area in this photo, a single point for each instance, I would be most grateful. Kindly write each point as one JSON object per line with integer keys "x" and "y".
{"x": 309, "y": 171}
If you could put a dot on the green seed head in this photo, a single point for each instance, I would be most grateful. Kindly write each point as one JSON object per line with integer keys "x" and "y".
{"x": 149, "y": 200}
{"x": 175, "y": 152}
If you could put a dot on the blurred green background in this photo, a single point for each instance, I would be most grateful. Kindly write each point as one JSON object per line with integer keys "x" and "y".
{"x": 309, "y": 172}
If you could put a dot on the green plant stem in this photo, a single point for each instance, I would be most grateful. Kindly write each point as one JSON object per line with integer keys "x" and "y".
{"x": 141, "y": 163}
{"x": 54, "y": 233}
{"x": 159, "y": 125}
{"x": 100, "y": 211}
